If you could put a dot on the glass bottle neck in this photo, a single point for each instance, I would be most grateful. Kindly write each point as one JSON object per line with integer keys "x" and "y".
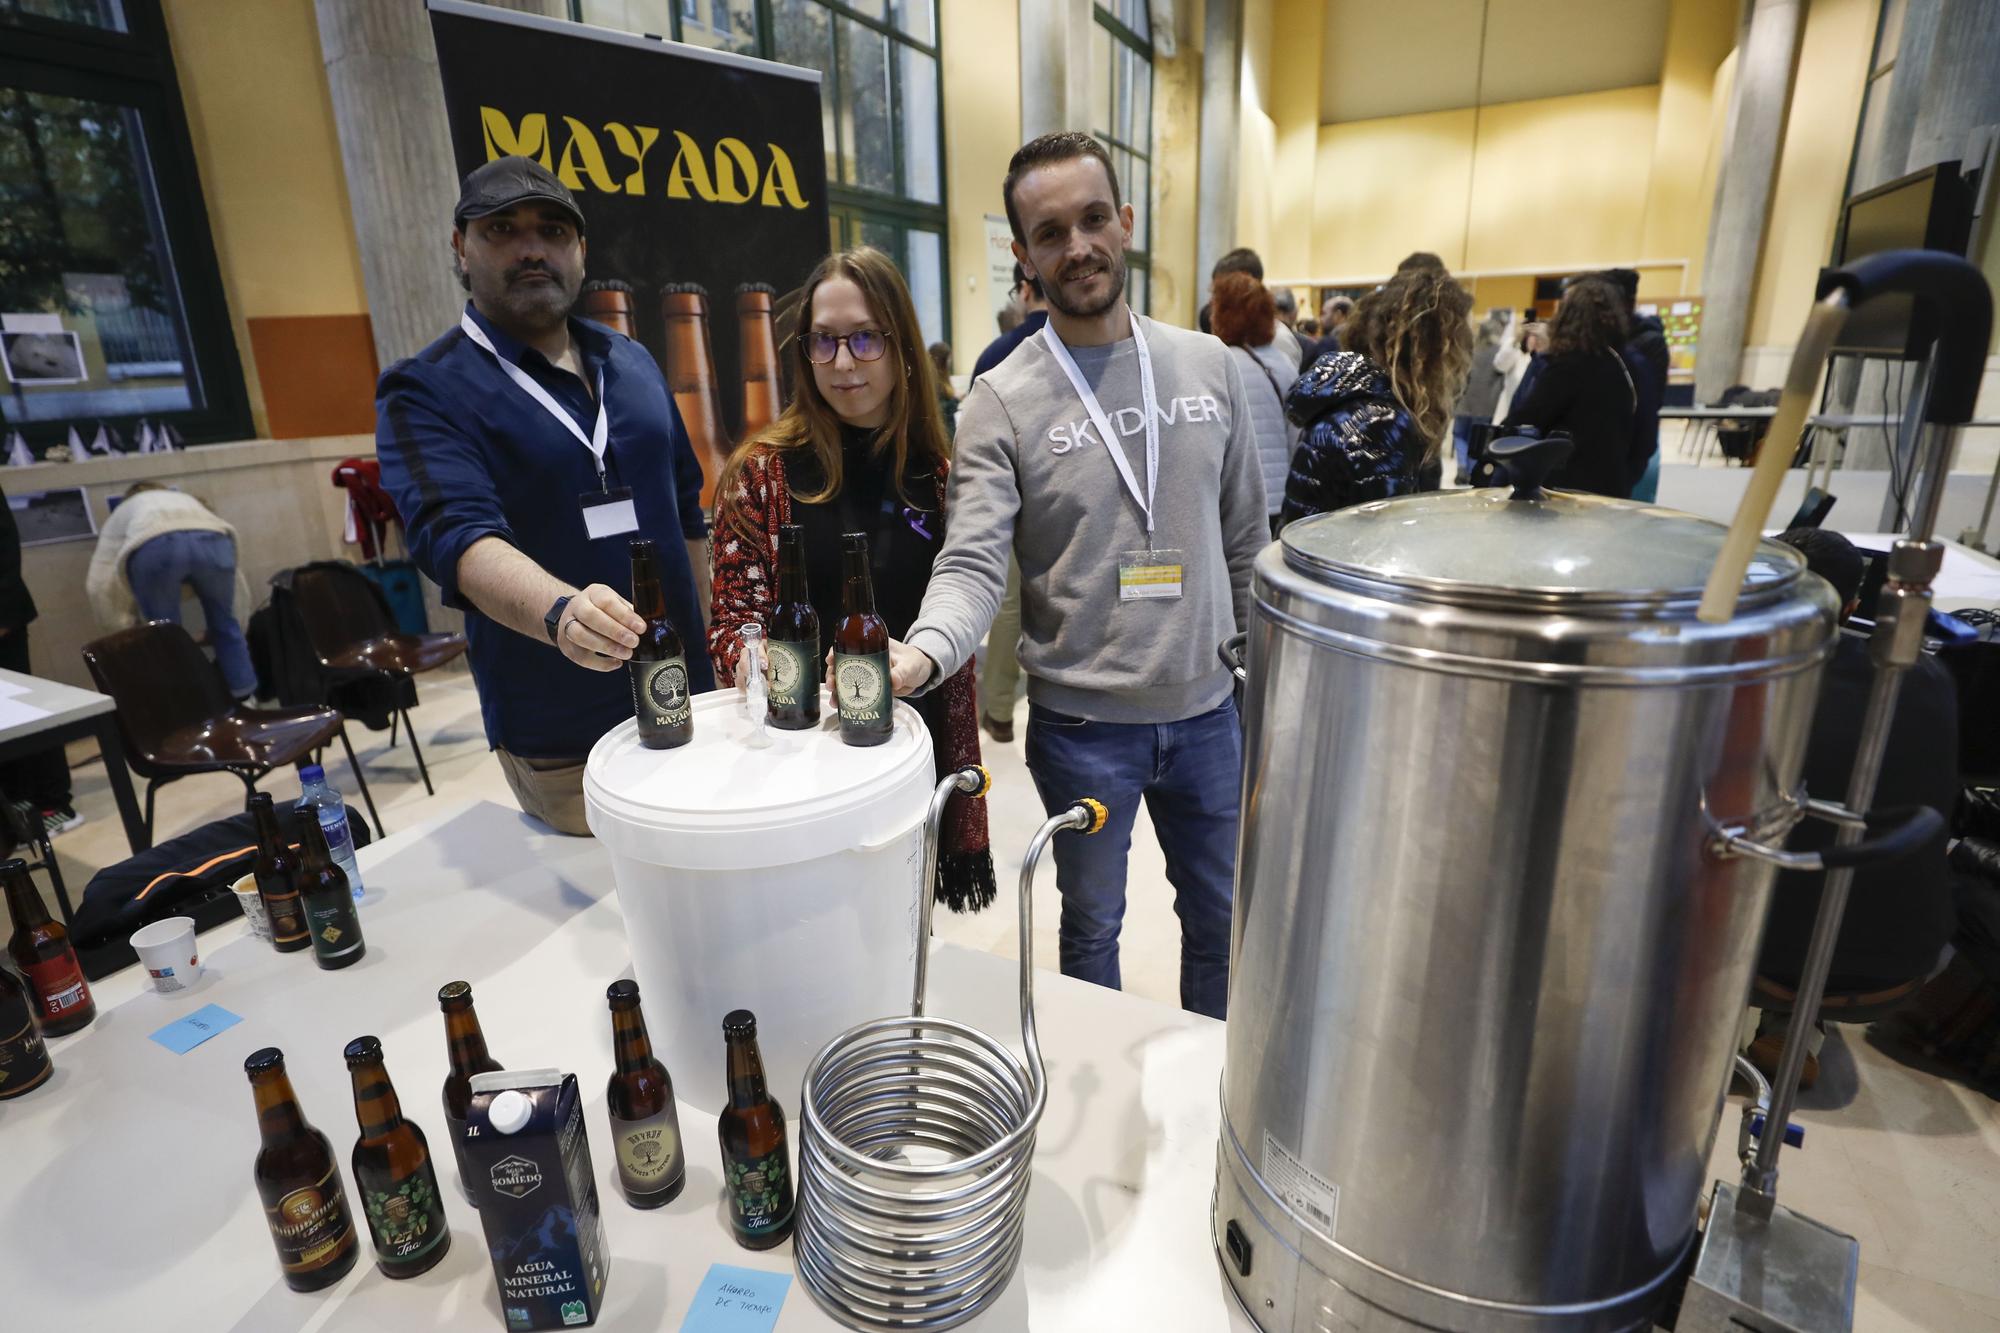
{"x": 376, "y": 1109}
{"x": 278, "y": 1116}
{"x": 24, "y": 904}
{"x": 792, "y": 571}
{"x": 631, "y": 1046}
{"x": 649, "y": 597}
{"x": 859, "y": 596}
{"x": 746, "y": 1073}
{"x": 468, "y": 1043}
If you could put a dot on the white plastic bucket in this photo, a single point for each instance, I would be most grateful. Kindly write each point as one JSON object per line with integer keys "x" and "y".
{"x": 780, "y": 880}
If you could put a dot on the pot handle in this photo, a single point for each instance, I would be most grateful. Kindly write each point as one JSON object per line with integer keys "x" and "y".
{"x": 1230, "y": 650}
{"x": 1526, "y": 459}
{"x": 1917, "y": 825}
{"x": 1950, "y": 289}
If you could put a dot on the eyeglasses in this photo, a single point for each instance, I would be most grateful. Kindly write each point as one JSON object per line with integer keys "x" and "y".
{"x": 862, "y": 345}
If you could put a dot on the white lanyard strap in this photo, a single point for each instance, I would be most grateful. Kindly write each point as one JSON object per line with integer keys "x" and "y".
{"x": 599, "y": 435}
{"x": 1148, "y": 401}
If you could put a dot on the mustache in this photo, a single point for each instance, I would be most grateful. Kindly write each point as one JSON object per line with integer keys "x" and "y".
{"x": 518, "y": 271}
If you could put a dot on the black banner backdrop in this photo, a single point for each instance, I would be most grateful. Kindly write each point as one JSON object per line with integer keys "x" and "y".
{"x": 695, "y": 169}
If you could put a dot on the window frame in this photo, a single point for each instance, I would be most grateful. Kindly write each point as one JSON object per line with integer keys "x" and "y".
{"x": 1121, "y": 35}
{"x": 135, "y": 68}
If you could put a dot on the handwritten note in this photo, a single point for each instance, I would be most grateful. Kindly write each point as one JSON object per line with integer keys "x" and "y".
{"x": 737, "y": 1300}
{"x": 184, "y": 1034}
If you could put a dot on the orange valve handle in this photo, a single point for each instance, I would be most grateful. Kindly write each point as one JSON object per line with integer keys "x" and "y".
{"x": 1098, "y": 814}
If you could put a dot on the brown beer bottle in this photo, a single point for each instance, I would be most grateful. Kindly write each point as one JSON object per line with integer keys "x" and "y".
{"x": 645, "y": 1125}
{"x": 660, "y": 698}
{"x": 329, "y": 903}
{"x": 757, "y": 342}
{"x": 41, "y": 949}
{"x": 24, "y": 1058}
{"x": 690, "y": 372}
{"x": 305, "y": 1204}
{"x": 467, "y": 1048}
{"x": 861, "y": 652}
{"x": 392, "y": 1171}
{"x": 277, "y": 872}
{"x": 793, "y": 643}
{"x": 755, "y": 1170}
{"x": 608, "y": 301}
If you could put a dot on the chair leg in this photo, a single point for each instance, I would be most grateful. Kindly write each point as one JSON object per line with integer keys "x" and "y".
{"x": 361, "y": 780}
{"x": 48, "y": 854}
{"x": 394, "y": 718}
{"x": 410, "y": 729}
{"x": 152, "y": 788}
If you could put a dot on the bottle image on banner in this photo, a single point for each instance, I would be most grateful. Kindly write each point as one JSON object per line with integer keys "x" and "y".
{"x": 691, "y": 378}
{"x": 41, "y": 949}
{"x": 757, "y": 341}
{"x": 466, "y": 1046}
{"x": 24, "y": 1057}
{"x": 756, "y": 1168}
{"x": 608, "y": 301}
{"x": 861, "y": 652}
{"x": 660, "y": 698}
{"x": 331, "y": 920}
{"x": 645, "y": 1126}
{"x": 793, "y": 644}
{"x": 305, "y": 1205}
{"x": 277, "y": 871}
{"x": 393, "y": 1172}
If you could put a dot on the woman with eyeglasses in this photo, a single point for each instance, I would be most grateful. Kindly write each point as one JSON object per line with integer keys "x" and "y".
{"x": 861, "y": 448}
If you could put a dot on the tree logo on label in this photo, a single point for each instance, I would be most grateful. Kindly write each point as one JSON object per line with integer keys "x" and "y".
{"x": 785, "y": 670}
{"x": 860, "y": 682}
{"x": 669, "y": 687}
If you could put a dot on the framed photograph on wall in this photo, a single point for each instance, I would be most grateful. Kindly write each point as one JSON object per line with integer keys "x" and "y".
{"x": 33, "y": 359}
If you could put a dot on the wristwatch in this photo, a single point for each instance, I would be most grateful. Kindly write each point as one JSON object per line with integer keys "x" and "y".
{"x": 553, "y": 620}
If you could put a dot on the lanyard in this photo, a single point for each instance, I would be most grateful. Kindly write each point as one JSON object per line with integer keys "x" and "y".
{"x": 1148, "y": 401}
{"x": 599, "y": 434}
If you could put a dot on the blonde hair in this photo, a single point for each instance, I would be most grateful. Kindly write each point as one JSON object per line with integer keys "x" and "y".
{"x": 1416, "y": 326}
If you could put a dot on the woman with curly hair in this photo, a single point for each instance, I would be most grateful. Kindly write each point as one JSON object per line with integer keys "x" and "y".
{"x": 1584, "y": 391}
{"x": 861, "y": 448}
{"x": 1377, "y": 414}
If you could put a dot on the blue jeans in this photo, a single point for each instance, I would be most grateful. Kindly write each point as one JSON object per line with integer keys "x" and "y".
{"x": 156, "y": 572}
{"x": 1647, "y": 488}
{"x": 1461, "y": 441}
{"x": 1190, "y": 775}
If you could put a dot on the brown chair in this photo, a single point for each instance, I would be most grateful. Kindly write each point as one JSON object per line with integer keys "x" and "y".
{"x": 176, "y": 717}
{"x": 350, "y": 630}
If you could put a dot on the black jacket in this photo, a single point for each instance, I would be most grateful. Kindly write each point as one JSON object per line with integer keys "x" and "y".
{"x": 1589, "y": 397}
{"x": 1647, "y": 358}
{"x": 1359, "y": 443}
{"x": 17, "y": 608}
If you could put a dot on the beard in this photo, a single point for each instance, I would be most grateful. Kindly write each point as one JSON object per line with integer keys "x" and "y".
{"x": 1114, "y": 273}
{"x": 526, "y": 306}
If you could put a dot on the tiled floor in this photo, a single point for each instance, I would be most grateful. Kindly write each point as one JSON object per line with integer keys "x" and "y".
{"x": 1907, "y": 1163}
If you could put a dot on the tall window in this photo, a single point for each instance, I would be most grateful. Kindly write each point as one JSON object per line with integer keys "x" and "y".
{"x": 882, "y": 116}
{"x": 1121, "y": 114}
{"x": 112, "y": 320}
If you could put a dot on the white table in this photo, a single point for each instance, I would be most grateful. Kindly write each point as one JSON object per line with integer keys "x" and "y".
{"x": 66, "y": 713}
{"x": 125, "y": 1190}
{"x": 1967, "y": 578}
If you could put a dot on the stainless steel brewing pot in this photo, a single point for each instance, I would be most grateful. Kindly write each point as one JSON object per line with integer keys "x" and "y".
{"x": 1488, "y": 960}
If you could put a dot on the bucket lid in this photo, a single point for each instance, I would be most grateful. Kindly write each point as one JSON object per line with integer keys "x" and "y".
{"x": 716, "y": 803}
{"x": 1486, "y": 546}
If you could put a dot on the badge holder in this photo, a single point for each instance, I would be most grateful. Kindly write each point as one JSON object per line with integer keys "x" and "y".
{"x": 1150, "y": 576}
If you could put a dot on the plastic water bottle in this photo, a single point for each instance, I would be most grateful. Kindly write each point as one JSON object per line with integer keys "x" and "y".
{"x": 323, "y": 802}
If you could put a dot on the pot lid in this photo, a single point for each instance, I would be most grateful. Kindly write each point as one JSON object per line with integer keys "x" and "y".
{"x": 1558, "y": 547}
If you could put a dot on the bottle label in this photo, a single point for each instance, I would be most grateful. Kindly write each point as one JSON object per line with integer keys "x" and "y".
{"x": 339, "y": 837}
{"x": 407, "y": 1222}
{"x": 24, "y": 1061}
{"x": 58, "y": 984}
{"x": 288, "y": 922}
{"x": 660, "y": 693}
{"x": 792, "y": 674}
{"x": 310, "y": 1225}
{"x": 649, "y": 1151}
{"x": 760, "y": 1192}
{"x": 861, "y": 682}
{"x": 335, "y": 931}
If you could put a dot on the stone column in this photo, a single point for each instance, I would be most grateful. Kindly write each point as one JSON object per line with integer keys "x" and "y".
{"x": 1961, "y": 89}
{"x": 388, "y": 109}
{"x": 1221, "y": 119}
{"x": 1766, "y": 57}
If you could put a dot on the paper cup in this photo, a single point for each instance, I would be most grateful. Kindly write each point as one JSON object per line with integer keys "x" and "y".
{"x": 166, "y": 950}
{"x": 252, "y": 903}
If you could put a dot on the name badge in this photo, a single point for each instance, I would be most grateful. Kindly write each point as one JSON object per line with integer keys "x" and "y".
{"x": 1147, "y": 576}
{"x": 609, "y": 513}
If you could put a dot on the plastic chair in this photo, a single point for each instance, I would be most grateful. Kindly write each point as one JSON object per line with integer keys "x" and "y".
{"x": 176, "y": 717}
{"x": 350, "y": 631}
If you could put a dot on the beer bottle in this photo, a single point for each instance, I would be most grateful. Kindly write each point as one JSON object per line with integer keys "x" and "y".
{"x": 794, "y": 639}
{"x": 277, "y": 873}
{"x": 24, "y": 1059}
{"x": 41, "y": 949}
{"x": 861, "y": 653}
{"x": 756, "y": 1174}
{"x": 329, "y": 903}
{"x": 392, "y": 1171}
{"x": 608, "y": 302}
{"x": 660, "y": 697}
{"x": 690, "y": 370}
{"x": 305, "y": 1205}
{"x": 645, "y": 1126}
{"x": 758, "y": 344}
{"x": 467, "y": 1048}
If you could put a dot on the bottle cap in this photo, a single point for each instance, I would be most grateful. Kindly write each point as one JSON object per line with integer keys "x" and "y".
{"x": 311, "y": 773}
{"x": 363, "y": 1051}
{"x": 644, "y": 546}
{"x": 853, "y": 541}
{"x": 265, "y": 1060}
{"x": 623, "y": 989}
{"x": 740, "y": 1023}
{"x": 455, "y": 990}
{"x": 509, "y": 1112}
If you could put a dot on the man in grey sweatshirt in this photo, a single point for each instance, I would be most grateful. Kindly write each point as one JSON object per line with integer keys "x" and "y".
{"x": 1131, "y": 572}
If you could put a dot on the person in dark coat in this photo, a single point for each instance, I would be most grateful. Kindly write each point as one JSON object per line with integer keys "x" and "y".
{"x": 1584, "y": 391}
{"x": 40, "y": 781}
{"x": 1371, "y": 433}
{"x": 1647, "y": 358}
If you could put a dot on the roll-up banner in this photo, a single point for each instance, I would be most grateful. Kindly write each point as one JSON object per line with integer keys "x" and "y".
{"x": 702, "y": 179}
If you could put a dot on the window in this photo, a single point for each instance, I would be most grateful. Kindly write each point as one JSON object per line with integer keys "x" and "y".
{"x": 1121, "y": 113}
{"x": 882, "y": 113}
{"x": 112, "y": 319}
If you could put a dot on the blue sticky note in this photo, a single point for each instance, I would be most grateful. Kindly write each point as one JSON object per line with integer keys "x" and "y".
{"x": 184, "y": 1034}
{"x": 737, "y": 1300}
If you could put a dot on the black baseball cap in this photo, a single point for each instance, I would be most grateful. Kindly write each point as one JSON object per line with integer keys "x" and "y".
{"x": 507, "y": 181}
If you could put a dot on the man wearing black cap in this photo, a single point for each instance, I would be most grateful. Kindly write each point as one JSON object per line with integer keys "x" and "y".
{"x": 525, "y": 449}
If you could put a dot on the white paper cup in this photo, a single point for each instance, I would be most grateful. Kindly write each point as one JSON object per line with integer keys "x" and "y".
{"x": 166, "y": 950}
{"x": 252, "y": 903}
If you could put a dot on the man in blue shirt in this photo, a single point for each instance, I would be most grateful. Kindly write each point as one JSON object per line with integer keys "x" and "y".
{"x": 525, "y": 449}
{"x": 1028, "y": 291}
